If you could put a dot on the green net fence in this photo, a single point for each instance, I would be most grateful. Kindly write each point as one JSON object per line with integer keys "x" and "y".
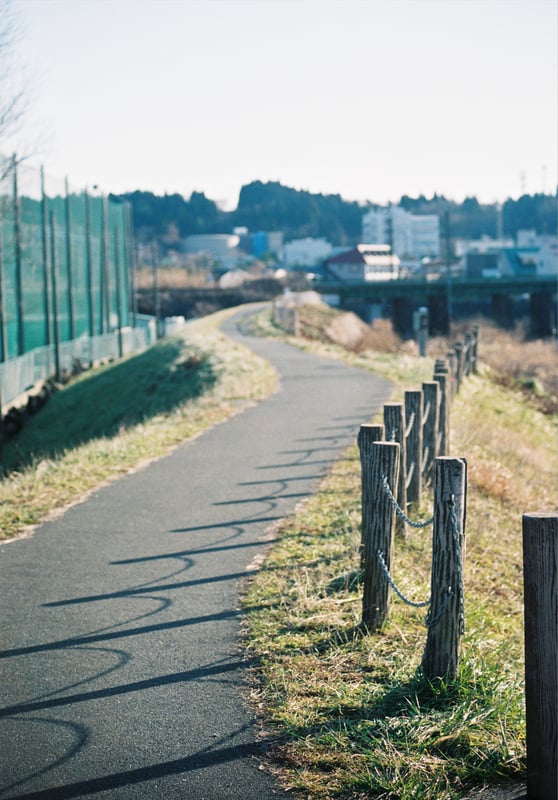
{"x": 66, "y": 274}
{"x": 65, "y": 261}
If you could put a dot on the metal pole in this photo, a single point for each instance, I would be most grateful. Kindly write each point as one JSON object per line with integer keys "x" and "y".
{"x": 44, "y": 243}
{"x": 131, "y": 264}
{"x": 104, "y": 270}
{"x": 89, "y": 265}
{"x": 118, "y": 291}
{"x": 156, "y": 301}
{"x": 18, "y": 263}
{"x": 57, "y": 371}
{"x": 3, "y": 332}
{"x": 71, "y": 322}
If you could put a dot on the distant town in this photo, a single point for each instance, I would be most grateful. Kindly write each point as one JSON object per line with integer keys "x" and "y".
{"x": 347, "y": 241}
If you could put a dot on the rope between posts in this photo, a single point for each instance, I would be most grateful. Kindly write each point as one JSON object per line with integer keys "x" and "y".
{"x": 399, "y": 511}
{"x": 425, "y": 458}
{"x": 410, "y": 473}
{"x": 409, "y": 427}
{"x": 457, "y": 544}
{"x": 426, "y": 413}
{"x": 429, "y": 620}
{"x": 395, "y": 588}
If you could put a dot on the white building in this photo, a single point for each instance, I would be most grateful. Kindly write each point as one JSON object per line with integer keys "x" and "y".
{"x": 306, "y": 252}
{"x": 410, "y": 235}
{"x": 365, "y": 262}
{"x": 223, "y": 247}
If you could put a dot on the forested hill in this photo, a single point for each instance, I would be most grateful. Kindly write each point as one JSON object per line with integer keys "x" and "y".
{"x": 272, "y": 206}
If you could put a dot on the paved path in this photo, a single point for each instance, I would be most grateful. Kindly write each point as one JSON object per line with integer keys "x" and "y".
{"x": 120, "y": 672}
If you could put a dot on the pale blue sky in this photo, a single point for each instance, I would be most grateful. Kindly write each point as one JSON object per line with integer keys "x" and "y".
{"x": 366, "y": 98}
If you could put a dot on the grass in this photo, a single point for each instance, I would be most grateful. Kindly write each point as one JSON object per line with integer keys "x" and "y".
{"x": 114, "y": 418}
{"x": 352, "y": 714}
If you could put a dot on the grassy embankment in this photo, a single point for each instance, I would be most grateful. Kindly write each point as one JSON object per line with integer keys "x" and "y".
{"x": 353, "y": 716}
{"x": 117, "y": 417}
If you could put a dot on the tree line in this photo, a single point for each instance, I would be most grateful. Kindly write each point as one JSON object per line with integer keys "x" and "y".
{"x": 298, "y": 213}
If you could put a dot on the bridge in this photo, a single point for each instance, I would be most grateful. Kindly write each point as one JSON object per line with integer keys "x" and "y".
{"x": 443, "y": 295}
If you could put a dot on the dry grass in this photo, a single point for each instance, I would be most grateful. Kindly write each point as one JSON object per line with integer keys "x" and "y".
{"x": 353, "y": 716}
{"x": 172, "y": 278}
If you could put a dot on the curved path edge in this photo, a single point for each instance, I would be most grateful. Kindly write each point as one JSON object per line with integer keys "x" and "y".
{"x": 120, "y": 669}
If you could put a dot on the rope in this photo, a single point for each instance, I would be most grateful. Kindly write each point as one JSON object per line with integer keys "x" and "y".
{"x": 399, "y": 511}
{"x": 395, "y": 588}
{"x": 409, "y": 427}
{"x": 426, "y": 413}
{"x": 457, "y": 544}
{"x": 409, "y": 476}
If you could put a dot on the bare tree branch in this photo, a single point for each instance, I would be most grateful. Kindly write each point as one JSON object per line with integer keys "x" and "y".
{"x": 12, "y": 97}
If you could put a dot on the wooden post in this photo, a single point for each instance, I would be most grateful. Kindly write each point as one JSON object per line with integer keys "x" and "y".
{"x": 413, "y": 445}
{"x": 459, "y": 359}
{"x": 452, "y": 371}
{"x": 367, "y": 435}
{"x": 476, "y": 331}
{"x": 468, "y": 353}
{"x": 394, "y": 421}
{"x": 378, "y": 516}
{"x": 540, "y": 571}
{"x": 444, "y": 415}
{"x": 431, "y": 396}
{"x": 446, "y": 620}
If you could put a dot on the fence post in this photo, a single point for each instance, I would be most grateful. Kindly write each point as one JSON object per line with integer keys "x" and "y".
{"x": 18, "y": 257}
{"x": 452, "y": 372}
{"x": 378, "y": 516}
{"x": 394, "y": 421}
{"x": 446, "y": 617}
{"x": 413, "y": 445}
{"x": 431, "y": 395}
{"x": 367, "y": 435}
{"x": 45, "y": 263}
{"x": 459, "y": 358}
{"x": 443, "y": 416}
{"x": 468, "y": 353}
{"x": 54, "y": 289}
{"x": 475, "y": 343}
{"x": 540, "y": 570}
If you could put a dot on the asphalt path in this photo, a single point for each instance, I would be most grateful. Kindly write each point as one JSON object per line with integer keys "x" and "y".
{"x": 121, "y": 674}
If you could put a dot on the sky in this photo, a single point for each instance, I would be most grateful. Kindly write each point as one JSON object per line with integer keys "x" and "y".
{"x": 369, "y": 99}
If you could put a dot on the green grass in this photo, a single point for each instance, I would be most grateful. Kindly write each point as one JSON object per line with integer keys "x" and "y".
{"x": 352, "y": 713}
{"x": 117, "y": 417}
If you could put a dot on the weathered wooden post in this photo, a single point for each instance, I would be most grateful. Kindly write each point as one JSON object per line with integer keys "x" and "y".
{"x": 467, "y": 354}
{"x": 367, "y": 435}
{"x": 394, "y": 422}
{"x": 442, "y": 378}
{"x": 413, "y": 445}
{"x": 540, "y": 580}
{"x": 431, "y": 396}
{"x": 459, "y": 359}
{"x": 446, "y": 616}
{"x": 476, "y": 332}
{"x": 452, "y": 370}
{"x": 378, "y": 517}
